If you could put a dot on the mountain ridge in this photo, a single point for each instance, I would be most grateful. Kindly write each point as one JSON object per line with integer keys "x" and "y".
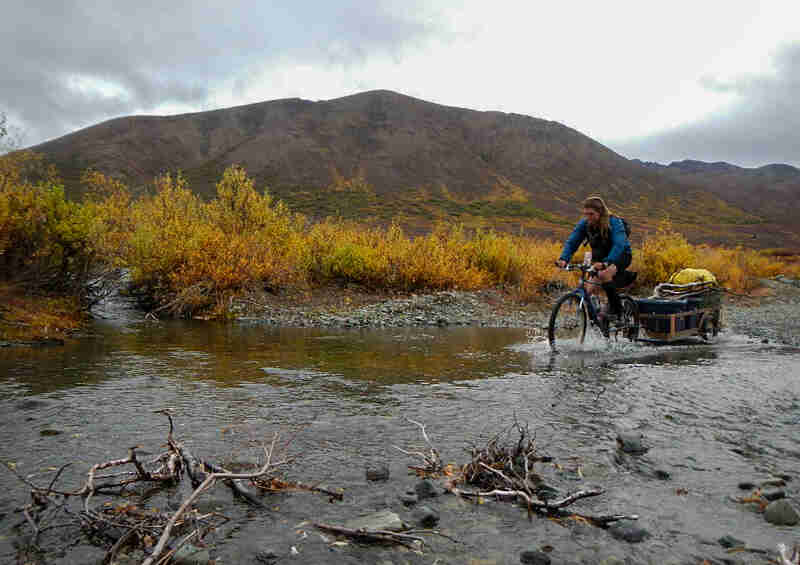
{"x": 380, "y": 154}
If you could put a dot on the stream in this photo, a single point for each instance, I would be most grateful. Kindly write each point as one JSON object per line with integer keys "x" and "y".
{"x": 712, "y": 416}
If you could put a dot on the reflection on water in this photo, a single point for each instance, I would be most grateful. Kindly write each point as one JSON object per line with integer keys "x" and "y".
{"x": 231, "y": 354}
{"x": 713, "y": 415}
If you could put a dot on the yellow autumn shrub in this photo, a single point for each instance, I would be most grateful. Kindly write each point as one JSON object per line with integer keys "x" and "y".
{"x": 537, "y": 267}
{"x": 195, "y": 255}
{"x": 663, "y": 254}
{"x": 44, "y": 238}
{"x": 738, "y": 268}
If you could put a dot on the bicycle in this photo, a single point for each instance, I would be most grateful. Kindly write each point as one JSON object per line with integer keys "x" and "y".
{"x": 573, "y": 311}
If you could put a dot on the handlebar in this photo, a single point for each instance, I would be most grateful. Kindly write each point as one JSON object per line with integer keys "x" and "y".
{"x": 588, "y": 269}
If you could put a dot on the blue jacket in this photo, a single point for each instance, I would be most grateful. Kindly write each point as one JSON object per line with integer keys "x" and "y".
{"x": 619, "y": 241}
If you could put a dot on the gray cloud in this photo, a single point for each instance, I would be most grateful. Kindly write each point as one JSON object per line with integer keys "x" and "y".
{"x": 151, "y": 52}
{"x": 762, "y": 126}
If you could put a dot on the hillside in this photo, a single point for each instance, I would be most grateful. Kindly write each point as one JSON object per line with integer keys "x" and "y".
{"x": 381, "y": 155}
{"x": 769, "y": 191}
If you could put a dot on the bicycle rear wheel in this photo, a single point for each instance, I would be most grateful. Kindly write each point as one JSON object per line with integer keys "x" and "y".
{"x": 567, "y": 321}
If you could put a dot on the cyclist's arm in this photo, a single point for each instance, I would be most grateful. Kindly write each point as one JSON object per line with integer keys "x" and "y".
{"x": 619, "y": 242}
{"x": 574, "y": 241}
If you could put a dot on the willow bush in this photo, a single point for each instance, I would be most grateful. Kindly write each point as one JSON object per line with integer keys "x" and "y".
{"x": 46, "y": 241}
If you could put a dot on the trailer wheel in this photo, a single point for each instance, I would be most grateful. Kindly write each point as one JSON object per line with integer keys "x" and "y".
{"x": 709, "y": 328}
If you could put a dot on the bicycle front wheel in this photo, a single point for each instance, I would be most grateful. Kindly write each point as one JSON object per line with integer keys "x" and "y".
{"x": 567, "y": 321}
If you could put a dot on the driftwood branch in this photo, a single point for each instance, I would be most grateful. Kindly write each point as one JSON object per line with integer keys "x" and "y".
{"x": 405, "y": 539}
{"x": 115, "y": 526}
{"x": 432, "y": 461}
{"x": 277, "y": 485}
{"x": 207, "y": 483}
{"x": 531, "y": 501}
{"x": 504, "y": 469}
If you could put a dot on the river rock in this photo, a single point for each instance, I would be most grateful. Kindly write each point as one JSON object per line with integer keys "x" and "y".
{"x": 534, "y": 558}
{"x": 377, "y": 472}
{"x": 30, "y": 404}
{"x": 135, "y": 557}
{"x": 628, "y": 530}
{"x": 774, "y": 494}
{"x": 425, "y": 516}
{"x": 662, "y": 474}
{"x": 266, "y": 556}
{"x": 426, "y": 489}
{"x": 188, "y": 554}
{"x": 383, "y": 520}
{"x": 631, "y": 442}
{"x": 781, "y": 513}
{"x": 408, "y": 499}
{"x": 729, "y": 541}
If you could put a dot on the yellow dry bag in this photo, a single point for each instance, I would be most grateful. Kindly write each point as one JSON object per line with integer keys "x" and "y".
{"x": 688, "y": 276}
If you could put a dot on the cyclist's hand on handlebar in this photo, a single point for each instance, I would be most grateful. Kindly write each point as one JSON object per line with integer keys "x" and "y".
{"x": 561, "y": 263}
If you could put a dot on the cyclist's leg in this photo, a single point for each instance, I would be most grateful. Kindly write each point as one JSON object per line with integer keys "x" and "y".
{"x": 614, "y": 302}
{"x": 616, "y": 279}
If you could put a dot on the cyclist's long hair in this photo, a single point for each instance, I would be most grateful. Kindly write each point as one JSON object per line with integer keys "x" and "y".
{"x": 596, "y": 203}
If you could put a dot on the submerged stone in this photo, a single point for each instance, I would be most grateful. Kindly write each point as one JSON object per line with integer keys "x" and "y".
{"x": 728, "y": 542}
{"x": 426, "y": 489}
{"x": 191, "y": 555}
{"x": 774, "y": 494}
{"x": 534, "y": 558}
{"x": 781, "y": 513}
{"x": 377, "y": 473}
{"x": 662, "y": 474}
{"x": 266, "y": 556}
{"x": 627, "y": 530}
{"x": 383, "y": 520}
{"x": 631, "y": 442}
{"x": 426, "y": 516}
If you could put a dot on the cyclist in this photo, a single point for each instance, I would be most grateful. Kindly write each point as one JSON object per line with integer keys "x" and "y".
{"x": 611, "y": 250}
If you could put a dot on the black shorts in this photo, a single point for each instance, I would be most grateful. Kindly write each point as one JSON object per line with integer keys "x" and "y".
{"x": 623, "y": 278}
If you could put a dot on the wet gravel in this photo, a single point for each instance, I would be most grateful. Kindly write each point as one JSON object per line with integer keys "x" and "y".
{"x": 775, "y": 319}
{"x": 485, "y": 308}
{"x": 772, "y": 318}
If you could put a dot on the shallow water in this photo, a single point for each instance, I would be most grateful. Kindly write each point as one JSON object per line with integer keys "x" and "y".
{"x": 712, "y": 416}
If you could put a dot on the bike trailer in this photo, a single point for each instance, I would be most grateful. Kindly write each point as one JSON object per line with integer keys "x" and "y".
{"x": 677, "y": 312}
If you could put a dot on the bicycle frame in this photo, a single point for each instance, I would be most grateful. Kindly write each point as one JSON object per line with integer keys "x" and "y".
{"x": 581, "y": 291}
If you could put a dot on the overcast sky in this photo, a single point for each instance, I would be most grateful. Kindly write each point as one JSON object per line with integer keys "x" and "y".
{"x": 704, "y": 79}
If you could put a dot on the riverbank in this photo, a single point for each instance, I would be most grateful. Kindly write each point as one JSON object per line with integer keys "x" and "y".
{"x": 353, "y": 307}
{"x": 772, "y": 315}
{"x": 770, "y": 312}
{"x": 37, "y": 319}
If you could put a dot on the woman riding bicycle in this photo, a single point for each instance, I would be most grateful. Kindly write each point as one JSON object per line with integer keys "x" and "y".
{"x": 611, "y": 250}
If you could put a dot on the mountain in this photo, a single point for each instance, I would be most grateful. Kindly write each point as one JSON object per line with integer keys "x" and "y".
{"x": 770, "y": 191}
{"x": 380, "y": 155}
